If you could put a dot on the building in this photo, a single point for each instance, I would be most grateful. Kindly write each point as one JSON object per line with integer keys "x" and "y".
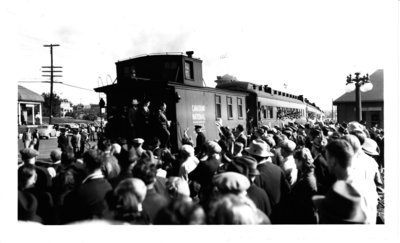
{"x": 65, "y": 107}
{"x": 29, "y": 107}
{"x": 371, "y": 102}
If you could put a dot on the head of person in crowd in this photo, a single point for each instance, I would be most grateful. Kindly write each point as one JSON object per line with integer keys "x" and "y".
{"x": 370, "y": 147}
{"x": 26, "y": 176}
{"x": 110, "y": 166}
{"x": 353, "y": 141}
{"x": 181, "y": 211}
{"x": 115, "y": 149}
{"x": 137, "y": 144}
{"x": 334, "y": 136}
{"x": 269, "y": 140}
{"x": 259, "y": 150}
{"x": 145, "y": 171}
{"x": 340, "y": 205}
{"x": 68, "y": 156}
{"x": 342, "y": 130}
{"x": 231, "y": 182}
{"x": 279, "y": 139}
{"x": 245, "y": 165}
{"x": 163, "y": 107}
{"x": 135, "y": 104}
{"x": 287, "y": 148}
{"x": 212, "y": 149}
{"x": 231, "y": 209}
{"x": 105, "y": 145}
{"x": 177, "y": 186}
{"x": 360, "y": 135}
{"x": 239, "y": 129}
{"x": 128, "y": 198}
{"x": 28, "y": 155}
{"x": 304, "y": 160}
{"x": 197, "y": 128}
{"x": 55, "y": 156}
{"x": 92, "y": 160}
{"x": 301, "y": 130}
{"x": 339, "y": 155}
{"x": 167, "y": 159}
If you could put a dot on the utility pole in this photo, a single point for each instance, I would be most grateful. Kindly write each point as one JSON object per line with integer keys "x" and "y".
{"x": 52, "y": 71}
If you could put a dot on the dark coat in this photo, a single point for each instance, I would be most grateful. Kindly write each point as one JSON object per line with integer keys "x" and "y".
{"x": 260, "y": 199}
{"x": 272, "y": 180}
{"x": 87, "y": 201}
{"x": 302, "y": 210}
{"x": 200, "y": 140}
{"x": 205, "y": 171}
{"x": 44, "y": 180}
{"x": 325, "y": 178}
{"x": 153, "y": 202}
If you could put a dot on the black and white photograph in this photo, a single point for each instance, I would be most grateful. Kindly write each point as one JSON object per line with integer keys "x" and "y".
{"x": 219, "y": 120}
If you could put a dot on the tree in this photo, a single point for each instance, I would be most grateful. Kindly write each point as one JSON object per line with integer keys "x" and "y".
{"x": 55, "y": 104}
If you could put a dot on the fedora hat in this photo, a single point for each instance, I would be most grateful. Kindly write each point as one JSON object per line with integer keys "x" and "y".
{"x": 249, "y": 162}
{"x": 370, "y": 147}
{"x": 341, "y": 204}
{"x": 259, "y": 148}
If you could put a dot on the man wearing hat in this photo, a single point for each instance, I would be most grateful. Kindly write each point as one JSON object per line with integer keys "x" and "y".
{"x": 44, "y": 179}
{"x": 200, "y": 139}
{"x": 271, "y": 178}
{"x": 247, "y": 166}
{"x": 240, "y": 136}
{"x": 341, "y": 205}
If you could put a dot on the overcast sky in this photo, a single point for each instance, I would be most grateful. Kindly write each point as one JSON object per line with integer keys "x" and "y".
{"x": 309, "y": 45}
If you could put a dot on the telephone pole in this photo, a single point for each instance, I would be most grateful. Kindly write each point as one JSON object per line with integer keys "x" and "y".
{"x": 51, "y": 71}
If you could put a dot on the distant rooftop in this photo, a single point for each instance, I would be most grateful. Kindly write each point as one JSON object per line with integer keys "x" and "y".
{"x": 25, "y": 94}
{"x": 188, "y": 54}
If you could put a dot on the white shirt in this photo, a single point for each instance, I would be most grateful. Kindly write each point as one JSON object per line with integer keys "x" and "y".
{"x": 290, "y": 169}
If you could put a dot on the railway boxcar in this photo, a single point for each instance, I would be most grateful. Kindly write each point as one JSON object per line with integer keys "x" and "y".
{"x": 175, "y": 79}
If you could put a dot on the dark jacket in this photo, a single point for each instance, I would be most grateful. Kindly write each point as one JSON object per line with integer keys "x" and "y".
{"x": 153, "y": 202}
{"x": 87, "y": 201}
{"x": 272, "y": 180}
{"x": 325, "y": 178}
{"x": 260, "y": 199}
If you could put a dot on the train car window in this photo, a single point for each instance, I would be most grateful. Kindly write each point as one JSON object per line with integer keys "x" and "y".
{"x": 264, "y": 113}
{"x": 189, "y": 70}
{"x": 240, "y": 107}
{"x": 270, "y": 112}
{"x": 229, "y": 107}
{"x": 218, "y": 106}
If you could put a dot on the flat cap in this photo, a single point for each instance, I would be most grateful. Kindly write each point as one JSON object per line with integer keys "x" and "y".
{"x": 234, "y": 182}
{"x": 28, "y": 153}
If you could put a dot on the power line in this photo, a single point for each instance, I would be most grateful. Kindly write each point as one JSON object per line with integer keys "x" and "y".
{"x": 56, "y": 82}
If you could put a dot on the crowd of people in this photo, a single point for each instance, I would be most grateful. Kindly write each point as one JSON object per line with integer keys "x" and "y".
{"x": 295, "y": 174}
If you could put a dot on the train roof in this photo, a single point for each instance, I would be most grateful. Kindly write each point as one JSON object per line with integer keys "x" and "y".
{"x": 263, "y": 91}
{"x": 159, "y": 54}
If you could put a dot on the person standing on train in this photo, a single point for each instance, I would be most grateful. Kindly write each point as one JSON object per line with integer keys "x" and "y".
{"x": 163, "y": 126}
{"x": 240, "y": 136}
{"x": 132, "y": 114}
{"x": 143, "y": 121}
{"x": 200, "y": 139}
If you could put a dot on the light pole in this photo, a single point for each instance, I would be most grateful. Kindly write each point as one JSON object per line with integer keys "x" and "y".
{"x": 102, "y": 105}
{"x": 360, "y": 84}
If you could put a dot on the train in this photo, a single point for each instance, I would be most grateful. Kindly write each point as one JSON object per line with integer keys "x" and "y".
{"x": 176, "y": 79}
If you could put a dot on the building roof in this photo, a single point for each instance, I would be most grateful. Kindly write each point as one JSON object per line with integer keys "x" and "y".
{"x": 25, "y": 94}
{"x": 376, "y": 94}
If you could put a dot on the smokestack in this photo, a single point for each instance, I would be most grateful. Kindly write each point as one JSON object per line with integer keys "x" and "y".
{"x": 189, "y": 53}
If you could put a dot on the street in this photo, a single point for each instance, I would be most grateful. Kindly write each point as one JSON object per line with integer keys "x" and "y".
{"x": 45, "y": 148}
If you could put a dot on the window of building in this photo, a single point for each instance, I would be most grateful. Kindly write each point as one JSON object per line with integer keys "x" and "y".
{"x": 189, "y": 70}
{"x": 229, "y": 107}
{"x": 240, "y": 107}
{"x": 218, "y": 106}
